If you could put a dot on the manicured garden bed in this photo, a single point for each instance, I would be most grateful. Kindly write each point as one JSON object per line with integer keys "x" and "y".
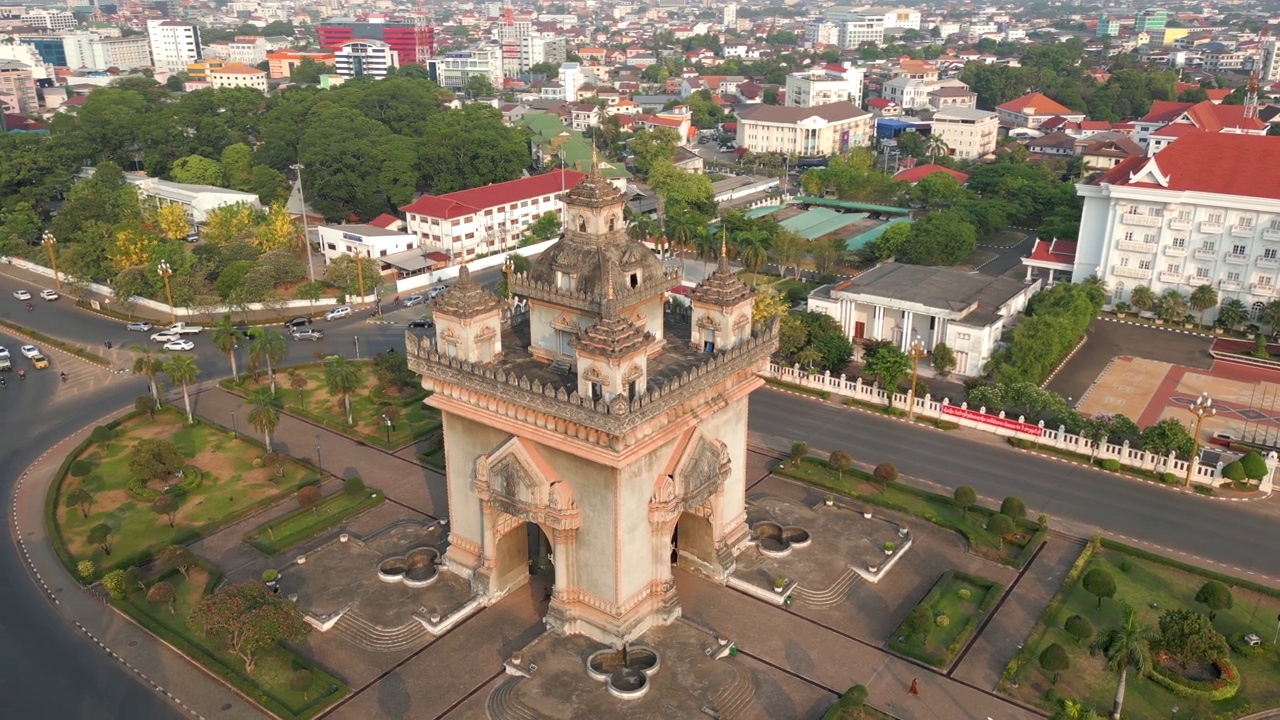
{"x": 304, "y": 523}
{"x": 1152, "y": 585}
{"x": 964, "y": 600}
{"x": 229, "y": 486}
{"x": 270, "y": 683}
{"x": 1015, "y": 550}
{"x": 314, "y": 401}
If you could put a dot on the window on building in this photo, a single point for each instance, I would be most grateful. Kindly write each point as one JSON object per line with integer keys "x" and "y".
{"x": 1174, "y": 268}
{"x": 962, "y": 337}
{"x": 1233, "y": 277}
{"x": 1275, "y": 225}
{"x": 1214, "y": 217}
{"x": 1149, "y": 238}
{"x": 1244, "y": 221}
{"x": 1155, "y": 211}
{"x": 597, "y": 392}
{"x": 1128, "y": 236}
{"x": 1255, "y": 310}
{"x": 1270, "y": 254}
{"x": 1264, "y": 281}
{"x": 1184, "y": 214}
{"x": 1179, "y": 242}
{"x": 1144, "y": 264}
{"x": 1124, "y": 262}
{"x": 1238, "y": 250}
{"x": 1202, "y": 273}
{"x": 1208, "y": 246}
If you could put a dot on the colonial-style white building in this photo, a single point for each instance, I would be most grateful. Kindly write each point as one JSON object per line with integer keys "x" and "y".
{"x": 906, "y": 303}
{"x": 822, "y": 130}
{"x": 489, "y": 219}
{"x": 361, "y": 239}
{"x": 824, "y": 85}
{"x": 1205, "y": 210}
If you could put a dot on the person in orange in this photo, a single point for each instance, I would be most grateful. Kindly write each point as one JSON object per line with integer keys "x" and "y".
{"x": 915, "y": 688}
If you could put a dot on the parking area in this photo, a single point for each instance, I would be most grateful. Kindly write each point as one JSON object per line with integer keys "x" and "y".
{"x": 1108, "y": 340}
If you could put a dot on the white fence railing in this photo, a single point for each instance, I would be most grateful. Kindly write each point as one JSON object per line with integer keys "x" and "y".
{"x": 980, "y": 419}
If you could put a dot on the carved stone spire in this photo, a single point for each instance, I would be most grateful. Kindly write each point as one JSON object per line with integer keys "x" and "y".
{"x": 612, "y": 335}
{"x": 465, "y": 299}
{"x": 722, "y": 288}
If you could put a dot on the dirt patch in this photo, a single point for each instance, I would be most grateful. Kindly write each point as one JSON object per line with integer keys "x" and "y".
{"x": 1193, "y": 671}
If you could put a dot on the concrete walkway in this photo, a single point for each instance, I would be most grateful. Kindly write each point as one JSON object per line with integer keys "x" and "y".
{"x": 159, "y": 666}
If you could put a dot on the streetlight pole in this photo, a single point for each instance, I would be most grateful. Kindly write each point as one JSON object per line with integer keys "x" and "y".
{"x": 48, "y": 240}
{"x": 234, "y": 433}
{"x": 386, "y": 421}
{"x": 166, "y": 272}
{"x": 306, "y": 228}
{"x": 1201, "y": 408}
{"x": 318, "y": 452}
{"x": 916, "y": 351}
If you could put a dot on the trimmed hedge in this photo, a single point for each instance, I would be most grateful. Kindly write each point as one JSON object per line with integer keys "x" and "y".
{"x": 262, "y": 541}
{"x": 798, "y": 388}
{"x": 1018, "y": 663}
{"x": 994, "y": 591}
{"x": 1225, "y": 687}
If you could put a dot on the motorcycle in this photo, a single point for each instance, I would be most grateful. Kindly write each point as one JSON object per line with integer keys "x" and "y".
{"x": 30, "y": 307}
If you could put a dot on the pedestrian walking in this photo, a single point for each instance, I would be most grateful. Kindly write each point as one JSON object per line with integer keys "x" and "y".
{"x": 915, "y": 687}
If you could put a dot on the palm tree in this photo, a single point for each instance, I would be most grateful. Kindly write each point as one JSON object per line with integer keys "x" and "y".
{"x": 148, "y": 366}
{"x": 1125, "y": 646}
{"x": 267, "y": 345}
{"x": 934, "y": 146}
{"x": 753, "y": 250}
{"x": 1232, "y": 314}
{"x": 1203, "y": 299}
{"x": 682, "y": 229}
{"x": 265, "y": 414}
{"x": 707, "y": 246}
{"x": 183, "y": 371}
{"x": 225, "y": 339}
{"x": 1141, "y": 298}
{"x": 1172, "y": 306}
{"x": 343, "y": 377}
{"x": 1270, "y": 315}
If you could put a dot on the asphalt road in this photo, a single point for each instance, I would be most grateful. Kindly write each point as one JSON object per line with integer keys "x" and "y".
{"x": 1228, "y": 532}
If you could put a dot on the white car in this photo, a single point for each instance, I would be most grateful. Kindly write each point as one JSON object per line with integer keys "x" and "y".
{"x": 4, "y": 353}
{"x": 338, "y": 312}
{"x": 22, "y": 294}
{"x": 138, "y": 327}
{"x": 29, "y": 351}
{"x": 49, "y": 294}
{"x": 179, "y": 345}
{"x": 165, "y": 336}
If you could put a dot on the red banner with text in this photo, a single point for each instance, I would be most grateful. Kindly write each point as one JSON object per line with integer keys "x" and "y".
{"x": 996, "y": 421}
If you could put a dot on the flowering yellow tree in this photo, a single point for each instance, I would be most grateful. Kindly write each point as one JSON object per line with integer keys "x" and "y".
{"x": 131, "y": 246}
{"x": 277, "y": 231}
{"x": 170, "y": 221}
{"x": 230, "y": 222}
{"x": 768, "y": 304}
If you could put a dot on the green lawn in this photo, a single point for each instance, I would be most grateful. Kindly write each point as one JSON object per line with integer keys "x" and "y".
{"x": 1151, "y": 587}
{"x": 315, "y": 403}
{"x": 1014, "y": 551}
{"x": 941, "y": 644}
{"x": 230, "y": 487}
{"x": 269, "y": 685}
{"x": 305, "y": 523}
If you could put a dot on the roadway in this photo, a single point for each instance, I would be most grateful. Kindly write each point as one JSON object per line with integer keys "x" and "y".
{"x": 49, "y": 669}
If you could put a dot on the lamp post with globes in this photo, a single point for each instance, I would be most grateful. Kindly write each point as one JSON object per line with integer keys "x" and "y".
{"x": 916, "y": 351}
{"x": 1201, "y": 408}
{"x": 48, "y": 240}
{"x": 166, "y": 272}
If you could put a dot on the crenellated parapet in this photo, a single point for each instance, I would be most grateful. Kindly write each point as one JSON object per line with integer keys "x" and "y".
{"x": 589, "y": 301}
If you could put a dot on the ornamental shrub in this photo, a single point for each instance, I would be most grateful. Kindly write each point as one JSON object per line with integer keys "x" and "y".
{"x": 942, "y": 621}
{"x": 1109, "y": 464}
{"x": 1234, "y": 471}
{"x": 102, "y": 433}
{"x": 964, "y": 593}
{"x": 1255, "y": 468}
{"x": 80, "y": 468}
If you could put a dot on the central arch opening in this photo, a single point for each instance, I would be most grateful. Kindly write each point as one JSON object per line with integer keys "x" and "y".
{"x": 524, "y": 552}
{"x": 691, "y": 541}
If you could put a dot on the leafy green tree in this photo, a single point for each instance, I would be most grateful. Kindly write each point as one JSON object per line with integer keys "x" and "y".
{"x": 841, "y": 461}
{"x": 682, "y": 191}
{"x": 308, "y": 72}
{"x": 197, "y": 170}
{"x": 942, "y": 238}
{"x": 1255, "y": 468}
{"x": 1125, "y": 646}
{"x": 225, "y": 339}
{"x": 343, "y": 273}
{"x": 799, "y": 449}
{"x": 918, "y": 623}
{"x": 938, "y": 190}
{"x": 1099, "y": 583}
{"x": 182, "y": 370}
{"x": 1078, "y": 627}
{"x": 545, "y": 227}
{"x": 468, "y": 148}
{"x": 79, "y": 498}
{"x": 115, "y": 584}
{"x": 176, "y": 557}
{"x": 1142, "y": 298}
{"x": 1168, "y": 436}
{"x": 788, "y": 248}
{"x": 943, "y": 359}
{"x": 889, "y": 365}
{"x": 342, "y": 377}
{"x": 1014, "y": 507}
{"x": 1190, "y": 637}
{"x": 155, "y": 458}
{"x": 309, "y": 497}
{"x": 249, "y": 619}
{"x": 163, "y": 593}
{"x": 828, "y": 340}
{"x": 268, "y": 184}
{"x": 166, "y": 505}
{"x": 1215, "y": 596}
{"x": 265, "y": 413}
{"x": 1054, "y": 659}
{"x": 1000, "y": 525}
{"x": 100, "y": 535}
{"x": 1232, "y": 314}
{"x": 651, "y": 146}
{"x": 965, "y": 497}
{"x": 478, "y": 86}
{"x": 1172, "y": 306}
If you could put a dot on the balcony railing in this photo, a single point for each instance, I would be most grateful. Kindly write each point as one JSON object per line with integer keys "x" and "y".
{"x": 1131, "y": 272}
{"x": 1267, "y": 262}
{"x": 1205, "y": 254}
{"x": 1174, "y": 278}
{"x": 1179, "y": 224}
{"x": 1236, "y": 259}
{"x": 1272, "y": 234}
{"x": 1175, "y": 251}
{"x": 1230, "y": 285}
{"x": 1260, "y": 289}
{"x": 1242, "y": 230}
{"x": 1212, "y": 228}
{"x": 1142, "y": 220}
{"x": 1137, "y": 246}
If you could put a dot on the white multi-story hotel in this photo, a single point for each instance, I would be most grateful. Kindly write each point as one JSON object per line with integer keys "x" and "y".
{"x": 822, "y": 32}
{"x": 453, "y": 69}
{"x": 825, "y": 85}
{"x": 174, "y": 45}
{"x": 1205, "y": 210}
{"x": 968, "y": 133}
{"x": 489, "y": 219}
{"x": 821, "y": 130}
{"x": 357, "y": 58}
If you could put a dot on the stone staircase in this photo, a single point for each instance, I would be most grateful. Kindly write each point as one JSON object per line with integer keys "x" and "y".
{"x": 732, "y": 701}
{"x": 830, "y": 597}
{"x": 364, "y": 634}
{"x": 502, "y": 704}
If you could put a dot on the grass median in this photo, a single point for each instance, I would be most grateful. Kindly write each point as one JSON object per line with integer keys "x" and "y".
{"x": 305, "y": 523}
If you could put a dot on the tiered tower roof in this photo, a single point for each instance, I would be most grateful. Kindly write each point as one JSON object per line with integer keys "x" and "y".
{"x": 466, "y": 299}
{"x": 723, "y": 288}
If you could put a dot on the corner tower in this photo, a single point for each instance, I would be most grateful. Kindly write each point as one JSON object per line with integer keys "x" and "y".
{"x": 596, "y": 425}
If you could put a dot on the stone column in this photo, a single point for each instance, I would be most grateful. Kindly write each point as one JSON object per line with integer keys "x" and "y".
{"x": 933, "y": 335}
{"x": 878, "y": 331}
{"x": 908, "y": 318}
{"x": 1029, "y": 270}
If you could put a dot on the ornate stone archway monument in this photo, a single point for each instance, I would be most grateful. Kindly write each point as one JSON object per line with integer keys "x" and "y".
{"x": 611, "y": 423}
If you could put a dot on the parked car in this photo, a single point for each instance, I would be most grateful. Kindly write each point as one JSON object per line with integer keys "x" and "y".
{"x": 436, "y": 292}
{"x": 165, "y": 336}
{"x": 179, "y": 345}
{"x": 39, "y": 361}
{"x": 421, "y": 324}
{"x": 4, "y": 353}
{"x": 193, "y": 237}
{"x": 48, "y": 294}
{"x": 5, "y": 364}
{"x": 1223, "y": 439}
{"x": 414, "y": 300}
{"x": 29, "y": 351}
{"x": 307, "y": 334}
{"x": 22, "y": 294}
{"x": 338, "y": 312}
{"x": 298, "y": 322}
{"x": 139, "y": 327}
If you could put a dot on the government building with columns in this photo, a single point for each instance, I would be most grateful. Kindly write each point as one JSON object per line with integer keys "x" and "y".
{"x": 903, "y": 303}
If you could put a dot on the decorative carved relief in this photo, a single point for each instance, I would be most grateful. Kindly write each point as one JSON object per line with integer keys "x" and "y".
{"x": 633, "y": 373}
{"x": 486, "y": 334}
{"x": 702, "y": 470}
{"x": 449, "y": 333}
{"x": 708, "y": 322}
{"x": 593, "y": 374}
{"x": 508, "y": 482}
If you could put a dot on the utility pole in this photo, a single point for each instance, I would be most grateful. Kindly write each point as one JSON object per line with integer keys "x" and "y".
{"x": 306, "y": 230}
{"x": 916, "y": 351}
{"x": 166, "y": 272}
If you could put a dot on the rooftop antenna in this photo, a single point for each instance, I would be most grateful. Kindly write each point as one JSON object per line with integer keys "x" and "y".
{"x": 1251, "y": 94}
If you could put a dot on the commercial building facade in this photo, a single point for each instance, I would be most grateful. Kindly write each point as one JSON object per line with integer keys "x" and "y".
{"x": 174, "y": 45}
{"x": 822, "y": 86}
{"x": 17, "y": 88}
{"x": 412, "y": 43}
{"x": 807, "y": 132}
{"x": 453, "y": 69}
{"x": 238, "y": 76}
{"x": 359, "y": 58}
{"x": 968, "y": 133}
{"x": 281, "y": 64}
{"x": 362, "y": 240}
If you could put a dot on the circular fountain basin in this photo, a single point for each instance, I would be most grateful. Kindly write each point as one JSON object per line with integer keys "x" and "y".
{"x": 796, "y": 536}
{"x": 392, "y": 570}
{"x": 770, "y": 540}
{"x": 422, "y": 570}
{"x": 627, "y": 683}
{"x": 602, "y": 664}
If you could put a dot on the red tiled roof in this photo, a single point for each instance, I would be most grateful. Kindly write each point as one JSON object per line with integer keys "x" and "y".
{"x": 1193, "y": 163}
{"x": 467, "y": 202}
{"x": 881, "y": 103}
{"x": 920, "y": 172}
{"x": 384, "y": 221}
{"x": 1054, "y": 251}
{"x": 655, "y": 120}
{"x": 1037, "y": 104}
{"x": 1217, "y": 95}
{"x": 1175, "y": 130}
{"x": 1163, "y": 111}
{"x": 439, "y": 256}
